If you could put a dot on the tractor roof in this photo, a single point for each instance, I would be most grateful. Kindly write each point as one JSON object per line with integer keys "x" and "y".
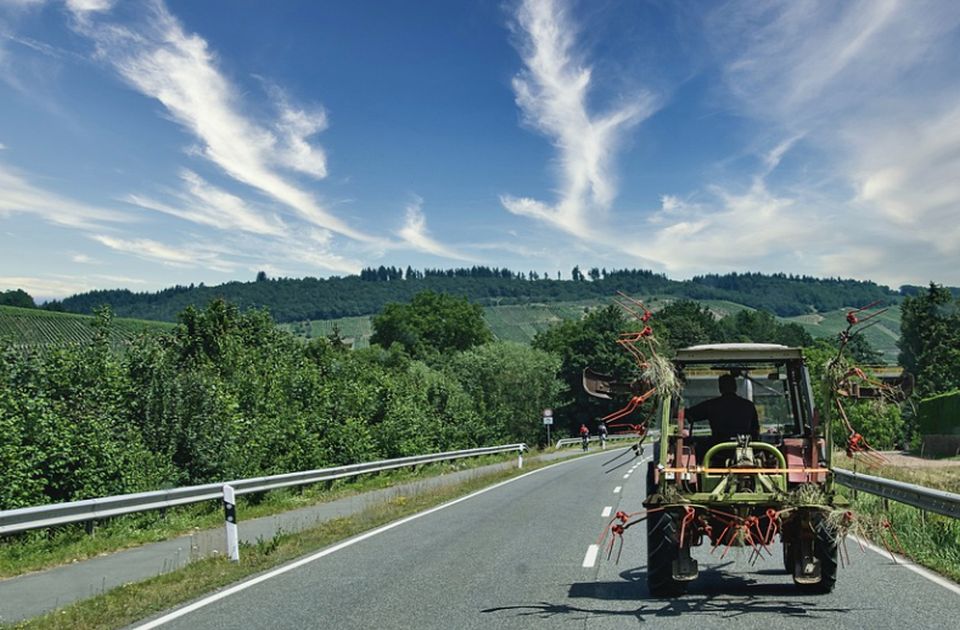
{"x": 738, "y": 352}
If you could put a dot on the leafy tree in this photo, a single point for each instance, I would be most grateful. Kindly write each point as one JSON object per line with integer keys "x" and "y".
{"x": 589, "y": 342}
{"x": 685, "y": 323}
{"x": 512, "y": 384}
{"x": 431, "y": 324}
{"x": 930, "y": 340}
{"x": 17, "y": 297}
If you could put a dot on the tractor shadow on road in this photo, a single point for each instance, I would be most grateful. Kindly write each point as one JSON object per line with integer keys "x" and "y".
{"x": 626, "y": 457}
{"x": 714, "y": 593}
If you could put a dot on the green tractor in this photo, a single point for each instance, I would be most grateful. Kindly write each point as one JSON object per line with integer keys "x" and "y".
{"x": 761, "y": 481}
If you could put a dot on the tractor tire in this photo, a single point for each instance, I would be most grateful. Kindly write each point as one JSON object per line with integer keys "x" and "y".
{"x": 787, "y": 557}
{"x": 825, "y": 549}
{"x": 663, "y": 548}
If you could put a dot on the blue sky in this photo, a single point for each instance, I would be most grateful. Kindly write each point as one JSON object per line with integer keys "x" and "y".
{"x": 145, "y": 144}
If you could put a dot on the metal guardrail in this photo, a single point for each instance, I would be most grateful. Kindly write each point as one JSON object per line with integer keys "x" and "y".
{"x": 928, "y": 499}
{"x": 576, "y": 440}
{"x": 24, "y": 519}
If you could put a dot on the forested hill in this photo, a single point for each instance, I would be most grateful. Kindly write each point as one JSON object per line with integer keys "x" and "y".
{"x": 312, "y": 298}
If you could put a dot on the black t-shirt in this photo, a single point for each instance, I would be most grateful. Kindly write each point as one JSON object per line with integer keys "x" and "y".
{"x": 729, "y": 416}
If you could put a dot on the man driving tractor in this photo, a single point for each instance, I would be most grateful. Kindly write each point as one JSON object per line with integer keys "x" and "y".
{"x": 729, "y": 414}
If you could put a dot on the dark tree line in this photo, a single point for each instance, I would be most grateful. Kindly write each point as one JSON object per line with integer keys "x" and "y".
{"x": 298, "y": 299}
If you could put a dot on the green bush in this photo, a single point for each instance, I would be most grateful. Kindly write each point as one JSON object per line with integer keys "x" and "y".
{"x": 228, "y": 395}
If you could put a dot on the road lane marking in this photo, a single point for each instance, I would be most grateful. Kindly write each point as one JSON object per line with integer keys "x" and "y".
{"x": 617, "y": 489}
{"x": 606, "y": 511}
{"x": 906, "y": 563}
{"x": 591, "y": 558}
{"x": 626, "y": 476}
{"x": 180, "y": 612}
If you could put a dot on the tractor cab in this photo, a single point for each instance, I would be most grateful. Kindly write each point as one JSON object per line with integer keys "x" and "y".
{"x": 760, "y": 438}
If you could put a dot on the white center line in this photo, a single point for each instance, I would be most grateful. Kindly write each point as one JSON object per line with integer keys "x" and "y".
{"x": 606, "y": 511}
{"x": 617, "y": 490}
{"x": 626, "y": 476}
{"x": 591, "y": 558}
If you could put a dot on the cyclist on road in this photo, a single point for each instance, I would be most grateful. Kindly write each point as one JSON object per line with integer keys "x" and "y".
{"x": 584, "y": 435}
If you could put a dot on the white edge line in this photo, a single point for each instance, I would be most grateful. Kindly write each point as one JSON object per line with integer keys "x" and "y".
{"x": 606, "y": 511}
{"x": 906, "y": 563}
{"x": 180, "y": 612}
{"x": 591, "y": 558}
{"x": 617, "y": 489}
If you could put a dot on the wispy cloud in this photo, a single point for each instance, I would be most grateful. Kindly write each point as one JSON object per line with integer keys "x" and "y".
{"x": 160, "y": 59}
{"x": 414, "y": 232}
{"x": 19, "y": 195}
{"x": 730, "y": 230}
{"x": 206, "y": 204}
{"x": 95, "y": 6}
{"x": 868, "y": 90}
{"x": 552, "y": 93}
{"x": 188, "y": 256}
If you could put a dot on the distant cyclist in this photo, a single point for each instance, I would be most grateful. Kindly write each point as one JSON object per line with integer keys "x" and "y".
{"x": 584, "y": 435}
{"x": 602, "y": 433}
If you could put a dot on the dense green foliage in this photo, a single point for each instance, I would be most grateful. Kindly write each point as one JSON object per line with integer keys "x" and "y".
{"x": 940, "y": 415}
{"x": 687, "y": 323}
{"x": 589, "y": 342}
{"x": 31, "y": 327}
{"x": 312, "y": 298}
{"x": 229, "y": 395}
{"x": 930, "y": 340}
{"x": 431, "y": 324}
{"x": 17, "y": 297}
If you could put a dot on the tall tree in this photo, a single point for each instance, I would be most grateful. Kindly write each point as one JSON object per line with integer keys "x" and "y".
{"x": 431, "y": 324}
{"x": 930, "y": 340}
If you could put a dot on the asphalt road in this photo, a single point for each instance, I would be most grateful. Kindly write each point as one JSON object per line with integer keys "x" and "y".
{"x": 515, "y": 556}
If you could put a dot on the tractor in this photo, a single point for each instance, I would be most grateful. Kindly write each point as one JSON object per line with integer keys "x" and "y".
{"x": 751, "y": 489}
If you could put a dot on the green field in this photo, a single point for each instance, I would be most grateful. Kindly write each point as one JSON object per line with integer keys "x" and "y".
{"x": 30, "y": 327}
{"x": 883, "y": 335}
{"x": 352, "y": 329}
{"x": 523, "y": 321}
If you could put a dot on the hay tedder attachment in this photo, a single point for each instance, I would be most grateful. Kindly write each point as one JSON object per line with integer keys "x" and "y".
{"x": 769, "y": 491}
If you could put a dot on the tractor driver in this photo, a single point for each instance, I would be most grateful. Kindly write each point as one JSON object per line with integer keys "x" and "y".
{"x": 729, "y": 415}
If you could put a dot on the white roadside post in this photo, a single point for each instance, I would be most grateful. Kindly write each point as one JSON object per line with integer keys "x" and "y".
{"x": 520, "y": 456}
{"x": 230, "y": 518}
{"x": 548, "y": 422}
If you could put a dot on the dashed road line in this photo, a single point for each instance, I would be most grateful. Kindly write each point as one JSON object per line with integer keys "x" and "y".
{"x": 591, "y": 558}
{"x": 606, "y": 511}
{"x": 626, "y": 476}
{"x": 617, "y": 489}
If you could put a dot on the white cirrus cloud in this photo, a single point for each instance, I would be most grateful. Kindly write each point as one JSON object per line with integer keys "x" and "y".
{"x": 415, "y": 234}
{"x": 203, "y": 203}
{"x": 19, "y": 195}
{"x": 94, "y": 6}
{"x": 196, "y": 255}
{"x": 158, "y": 58}
{"x": 553, "y": 92}
{"x": 870, "y": 88}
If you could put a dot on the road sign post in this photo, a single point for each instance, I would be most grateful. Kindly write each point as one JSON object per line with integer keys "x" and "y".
{"x": 548, "y": 422}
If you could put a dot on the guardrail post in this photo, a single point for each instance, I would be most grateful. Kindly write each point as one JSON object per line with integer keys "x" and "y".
{"x": 230, "y": 519}
{"x": 520, "y": 457}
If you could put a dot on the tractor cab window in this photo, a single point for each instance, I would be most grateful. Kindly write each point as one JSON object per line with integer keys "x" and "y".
{"x": 766, "y": 386}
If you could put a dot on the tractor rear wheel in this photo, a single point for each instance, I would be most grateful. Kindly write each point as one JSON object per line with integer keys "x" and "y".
{"x": 825, "y": 550}
{"x": 663, "y": 549}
